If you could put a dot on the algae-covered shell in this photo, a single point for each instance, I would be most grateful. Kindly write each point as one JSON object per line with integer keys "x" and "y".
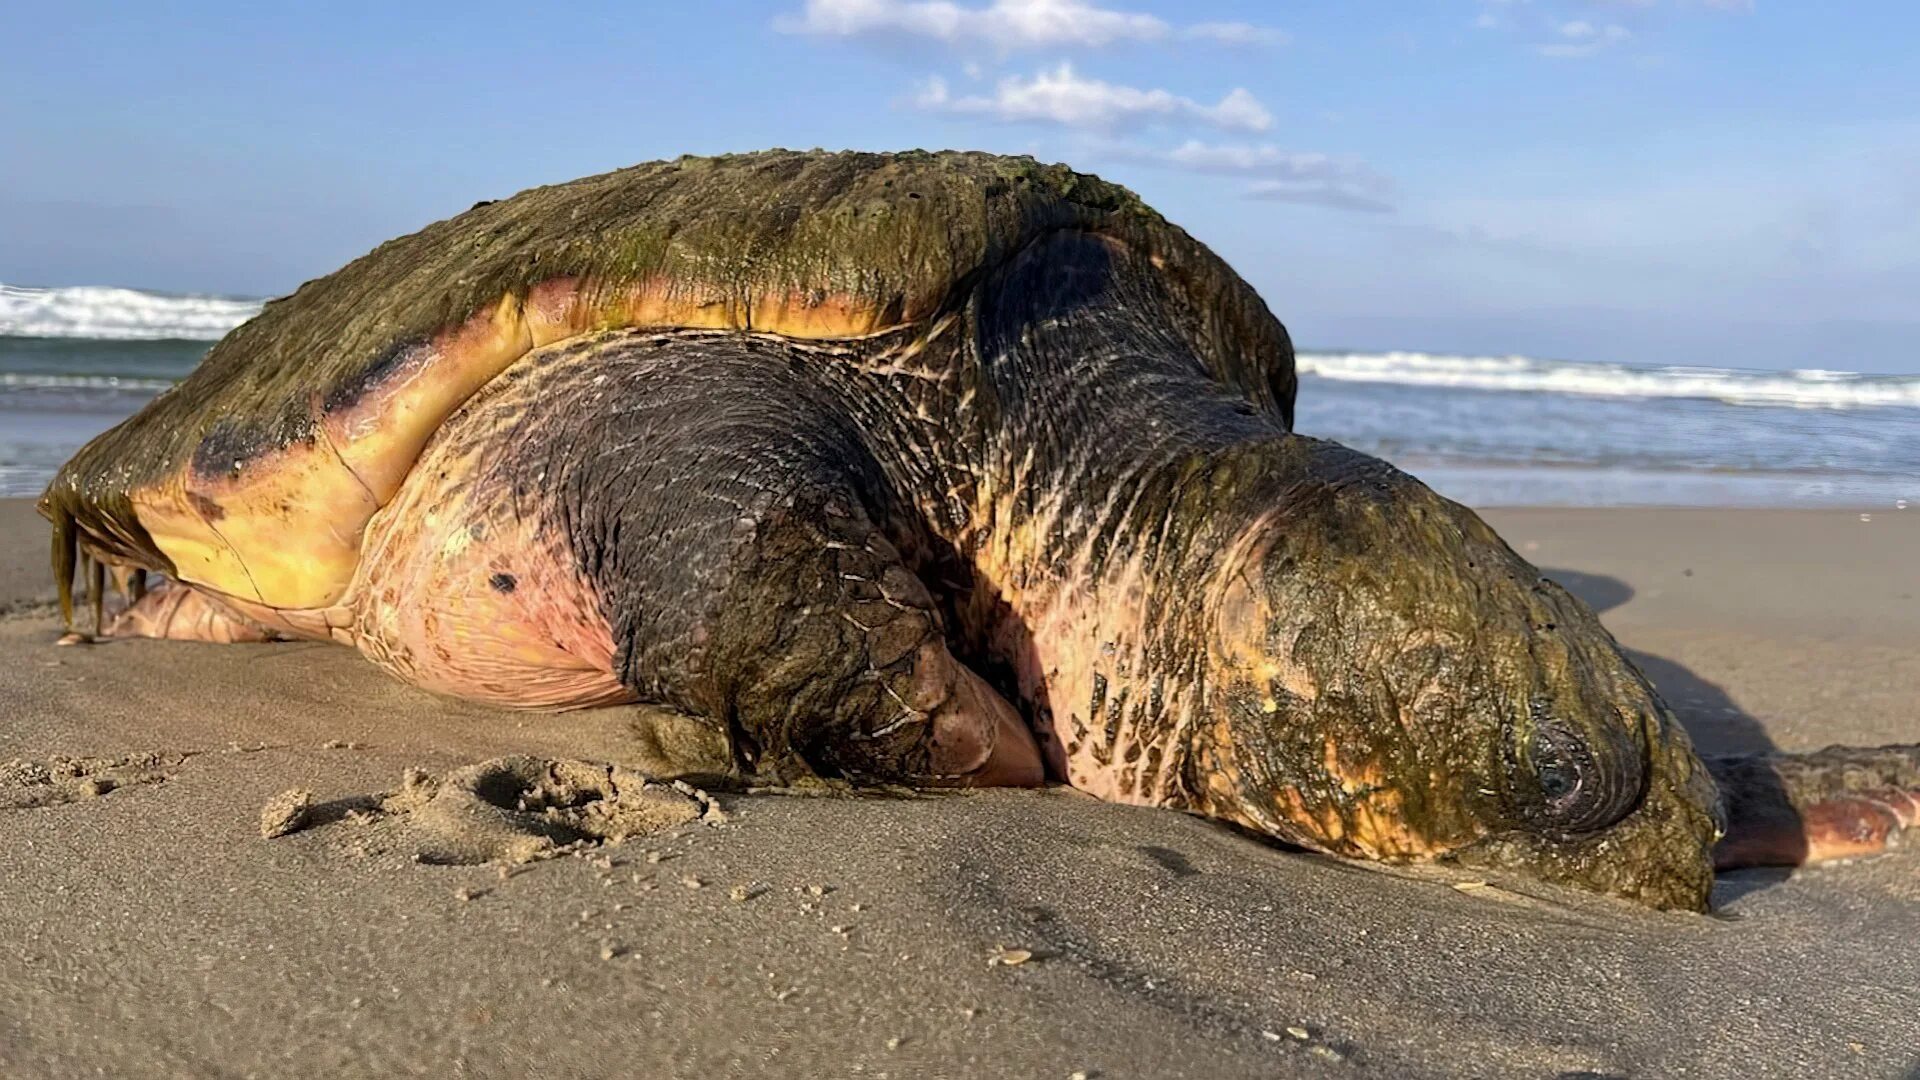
{"x": 256, "y": 474}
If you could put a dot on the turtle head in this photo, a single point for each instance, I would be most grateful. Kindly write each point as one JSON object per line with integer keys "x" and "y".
{"x": 1389, "y": 681}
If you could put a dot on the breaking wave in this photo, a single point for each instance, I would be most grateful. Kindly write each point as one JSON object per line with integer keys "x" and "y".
{"x": 1810, "y": 389}
{"x": 11, "y": 380}
{"x": 104, "y": 313}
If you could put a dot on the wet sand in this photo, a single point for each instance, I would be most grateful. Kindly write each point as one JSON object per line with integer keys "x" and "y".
{"x": 151, "y": 930}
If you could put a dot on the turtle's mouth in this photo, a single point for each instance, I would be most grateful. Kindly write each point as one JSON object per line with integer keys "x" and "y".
{"x": 1639, "y": 868}
{"x": 1660, "y": 855}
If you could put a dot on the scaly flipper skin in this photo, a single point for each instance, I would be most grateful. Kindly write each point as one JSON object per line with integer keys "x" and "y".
{"x": 1794, "y": 809}
{"x": 875, "y": 463}
{"x": 177, "y": 612}
{"x": 684, "y": 519}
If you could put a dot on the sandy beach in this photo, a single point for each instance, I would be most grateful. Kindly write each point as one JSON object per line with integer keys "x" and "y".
{"x": 151, "y": 930}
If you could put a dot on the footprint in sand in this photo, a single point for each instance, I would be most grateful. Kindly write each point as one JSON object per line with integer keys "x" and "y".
{"x": 55, "y": 781}
{"x": 507, "y": 810}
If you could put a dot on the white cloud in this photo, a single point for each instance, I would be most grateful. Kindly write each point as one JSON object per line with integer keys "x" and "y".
{"x": 1579, "y": 38}
{"x": 1580, "y": 28}
{"x": 1008, "y": 25}
{"x": 1061, "y": 97}
{"x": 1278, "y": 175}
{"x": 1234, "y": 33}
{"x": 1317, "y": 194}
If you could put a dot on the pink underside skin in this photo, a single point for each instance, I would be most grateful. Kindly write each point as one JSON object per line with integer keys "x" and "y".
{"x": 454, "y": 596}
{"x": 457, "y": 594}
{"x": 1864, "y": 824}
{"x": 1077, "y": 648}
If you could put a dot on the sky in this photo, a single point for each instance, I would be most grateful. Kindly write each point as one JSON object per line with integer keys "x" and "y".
{"x": 1708, "y": 182}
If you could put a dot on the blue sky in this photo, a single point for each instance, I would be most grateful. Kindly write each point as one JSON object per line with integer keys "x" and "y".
{"x": 1663, "y": 181}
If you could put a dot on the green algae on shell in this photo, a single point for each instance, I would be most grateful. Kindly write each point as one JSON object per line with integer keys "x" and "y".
{"x": 212, "y": 482}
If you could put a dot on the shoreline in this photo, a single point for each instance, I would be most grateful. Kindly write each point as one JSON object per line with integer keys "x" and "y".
{"x": 160, "y": 935}
{"x": 38, "y": 439}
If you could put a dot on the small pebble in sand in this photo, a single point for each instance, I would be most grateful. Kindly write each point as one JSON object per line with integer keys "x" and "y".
{"x": 741, "y": 893}
{"x": 853, "y": 907}
{"x": 464, "y": 895}
{"x": 1008, "y": 957}
{"x": 1270, "y": 1036}
{"x": 1300, "y": 1033}
{"x": 1327, "y": 1053}
{"x": 610, "y": 952}
{"x": 1470, "y": 886}
{"x": 286, "y": 812}
{"x": 816, "y": 890}
{"x": 894, "y": 1043}
{"x": 73, "y": 637}
{"x": 1866, "y": 517}
{"x": 654, "y": 856}
{"x": 691, "y": 882}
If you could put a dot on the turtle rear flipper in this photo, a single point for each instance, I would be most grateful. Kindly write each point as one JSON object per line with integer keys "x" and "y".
{"x": 1794, "y": 809}
{"x": 178, "y": 612}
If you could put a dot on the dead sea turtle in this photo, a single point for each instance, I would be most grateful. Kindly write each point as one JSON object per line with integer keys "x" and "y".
{"x": 925, "y": 468}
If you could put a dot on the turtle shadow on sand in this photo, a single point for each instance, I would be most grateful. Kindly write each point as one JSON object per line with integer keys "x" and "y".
{"x": 1713, "y": 719}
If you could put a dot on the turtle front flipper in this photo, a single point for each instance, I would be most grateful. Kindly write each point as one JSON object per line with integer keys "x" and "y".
{"x": 689, "y": 519}
{"x": 1793, "y": 809}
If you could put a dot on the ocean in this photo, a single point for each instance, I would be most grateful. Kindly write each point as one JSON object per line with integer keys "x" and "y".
{"x": 1485, "y": 430}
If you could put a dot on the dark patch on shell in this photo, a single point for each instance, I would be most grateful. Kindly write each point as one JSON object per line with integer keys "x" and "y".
{"x": 208, "y": 509}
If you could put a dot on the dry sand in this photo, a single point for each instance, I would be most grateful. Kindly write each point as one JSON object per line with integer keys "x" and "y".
{"x": 149, "y": 929}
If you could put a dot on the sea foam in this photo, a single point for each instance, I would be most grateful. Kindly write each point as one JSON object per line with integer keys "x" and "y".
{"x": 1807, "y": 389}
{"x": 114, "y": 314}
